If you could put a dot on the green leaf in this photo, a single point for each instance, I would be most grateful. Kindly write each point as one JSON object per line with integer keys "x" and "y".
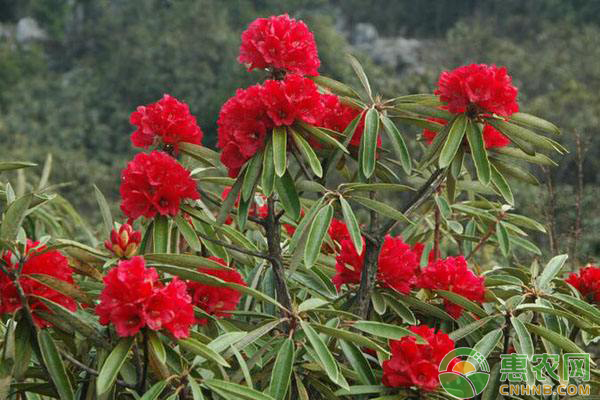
{"x": 369, "y": 142}
{"x": 308, "y": 153}
{"x": 62, "y": 287}
{"x": 280, "y": 150}
{"x": 489, "y": 342}
{"x": 503, "y": 239}
{"x": 318, "y": 230}
{"x": 515, "y": 171}
{"x": 463, "y": 302}
{"x": 387, "y": 331}
{"x": 239, "y": 391}
{"x": 359, "y": 362}
{"x": 581, "y": 307}
{"x": 470, "y": 328}
{"x": 524, "y": 337}
{"x": 455, "y": 138}
{"x": 104, "y": 211}
{"x": 288, "y": 196}
{"x": 203, "y": 350}
{"x": 426, "y": 308}
{"x": 310, "y": 304}
{"x": 157, "y": 346}
{"x": 400, "y": 309}
{"x": 54, "y": 365}
{"x": 478, "y": 152}
{"x": 349, "y": 336}
{"x": 160, "y": 234}
{"x": 519, "y": 135}
{"x": 200, "y": 153}
{"x": 352, "y": 225}
{"x": 188, "y": 232}
{"x": 381, "y": 208}
{"x": 112, "y": 365}
{"x": 360, "y": 72}
{"x": 436, "y": 145}
{"x": 506, "y": 153}
{"x": 374, "y": 187}
{"x": 493, "y": 388}
{"x": 230, "y": 200}
{"x": 323, "y": 353}
{"x": 267, "y": 179}
{"x": 334, "y": 86}
{"x": 196, "y": 391}
{"x": 187, "y": 261}
{"x": 282, "y": 370}
{"x": 531, "y": 121}
{"x": 502, "y": 185}
{"x": 253, "y": 170}
{"x": 361, "y": 389}
{"x": 154, "y": 391}
{"x": 11, "y": 165}
{"x": 305, "y": 223}
{"x": 553, "y": 337}
{"x": 322, "y": 135}
{"x": 13, "y": 217}
{"x": 526, "y": 244}
{"x": 398, "y": 143}
{"x": 551, "y": 270}
{"x": 348, "y": 134}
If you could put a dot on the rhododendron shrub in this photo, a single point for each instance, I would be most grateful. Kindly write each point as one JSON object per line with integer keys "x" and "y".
{"x": 360, "y": 255}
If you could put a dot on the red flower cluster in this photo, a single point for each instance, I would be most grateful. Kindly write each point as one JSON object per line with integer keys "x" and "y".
{"x": 215, "y": 300}
{"x": 453, "y": 274}
{"x": 416, "y": 365}
{"x": 587, "y": 282}
{"x": 51, "y": 263}
{"x": 492, "y": 138}
{"x": 397, "y": 265}
{"x": 246, "y": 119}
{"x": 280, "y": 43}
{"x": 168, "y": 121}
{"x": 124, "y": 242}
{"x": 478, "y": 87}
{"x": 133, "y": 298}
{"x": 153, "y": 184}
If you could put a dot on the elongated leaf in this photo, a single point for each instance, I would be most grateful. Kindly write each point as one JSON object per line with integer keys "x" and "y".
{"x": 369, "y": 142}
{"x": 112, "y": 365}
{"x": 188, "y": 232}
{"x": 252, "y": 336}
{"x": 188, "y": 261}
{"x": 426, "y": 308}
{"x": 348, "y": 134}
{"x": 556, "y": 338}
{"x": 506, "y": 153}
{"x": 282, "y": 370}
{"x": 325, "y": 356}
{"x": 360, "y": 72}
{"x": 470, "y": 328}
{"x": 160, "y": 234}
{"x": 305, "y": 223}
{"x": 251, "y": 176}
{"x": 13, "y": 217}
{"x": 524, "y": 337}
{"x": 534, "y": 122}
{"x": 154, "y": 391}
{"x": 478, "y": 152}
{"x": 322, "y": 136}
{"x": 267, "y": 179}
{"x": 54, "y": 365}
{"x": 203, "y": 350}
{"x": 436, "y": 145}
{"x": 104, "y": 211}
{"x": 381, "y": 208}
{"x": 387, "y": 331}
{"x": 238, "y": 391}
{"x": 352, "y": 225}
{"x": 230, "y": 200}
{"x": 581, "y": 307}
{"x": 280, "y": 150}
{"x": 308, "y": 153}
{"x": 519, "y": 134}
{"x": 11, "y": 165}
{"x": 398, "y": 143}
{"x": 62, "y": 287}
{"x": 463, "y": 302}
{"x": 334, "y": 86}
{"x": 503, "y": 239}
{"x": 318, "y": 230}
{"x": 358, "y": 362}
{"x": 200, "y": 153}
{"x": 517, "y": 172}
{"x": 374, "y": 187}
{"x": 455, "y": 138}
{"x": 502, "y": 185}
{"x": 489, "y": 342}
{"x": 526, "y": 244}
{"x": 157, "y": 346}
{"x": 551, "y": 270}
{"x": 349, "y": 336}
{"x": 287, "y": 194}
{"x": 196, "y": 390}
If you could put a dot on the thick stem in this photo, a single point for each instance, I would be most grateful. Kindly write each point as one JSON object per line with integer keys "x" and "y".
{"x": 273, "y": 233}
{"x": 144, "y": 367}
{"x": 368, "y": 276}
{"x": 437, "y": 235}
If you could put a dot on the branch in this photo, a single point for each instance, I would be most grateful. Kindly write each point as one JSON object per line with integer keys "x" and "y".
{"x": 90, "y": 370}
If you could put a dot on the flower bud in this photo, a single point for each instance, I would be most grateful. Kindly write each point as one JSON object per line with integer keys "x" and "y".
{"x": 124, "y": 242}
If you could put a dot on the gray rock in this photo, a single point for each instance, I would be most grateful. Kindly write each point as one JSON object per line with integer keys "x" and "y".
{"x": 28, "y": 30}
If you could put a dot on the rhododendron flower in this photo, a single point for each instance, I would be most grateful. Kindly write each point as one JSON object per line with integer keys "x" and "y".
{"x": 259, "y": 207}
{"x": 492, "y": 138}
{"x": 478, "y": 88}
{"x": 294, "y": 98}
{"x": 587, "y": 281}
{"x": 36, "y": 261}
{"x": 168, "y": 122}
{"x": 124, "y": 242}
{"x": 153, "y": 184}
{"x": 454, "y": 275}
{"x": 397, "y": 265}
{"x": 134, "y": 298}
{"x": 214, "y": 300}
{"x": 416, "y": 365}
{"x": 279, "y": 43}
